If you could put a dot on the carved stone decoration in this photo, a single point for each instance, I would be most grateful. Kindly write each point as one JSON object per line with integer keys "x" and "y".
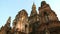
{"x": 21, "y": 23}
{"x": 46, "y": 22}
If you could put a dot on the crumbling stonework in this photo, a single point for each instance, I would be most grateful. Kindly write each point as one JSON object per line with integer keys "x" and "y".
{"x": 46, "y": 22}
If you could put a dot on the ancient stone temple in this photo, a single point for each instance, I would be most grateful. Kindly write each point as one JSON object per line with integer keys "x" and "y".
{"x": 46, "y": 22}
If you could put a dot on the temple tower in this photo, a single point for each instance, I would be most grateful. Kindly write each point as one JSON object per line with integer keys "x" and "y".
{"x": 46, "y": 13}
{"x": 21, "y": 22}
{"x": 33, "y": 12}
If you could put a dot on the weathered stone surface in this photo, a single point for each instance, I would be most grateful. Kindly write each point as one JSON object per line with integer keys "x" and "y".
{"x": 46, "y": 22}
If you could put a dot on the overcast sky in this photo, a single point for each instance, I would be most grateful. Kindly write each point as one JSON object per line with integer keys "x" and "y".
{"x": 12, "y": 7}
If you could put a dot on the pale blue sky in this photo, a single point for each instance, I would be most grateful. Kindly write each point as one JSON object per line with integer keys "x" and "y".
{"x": 12, "y": 7}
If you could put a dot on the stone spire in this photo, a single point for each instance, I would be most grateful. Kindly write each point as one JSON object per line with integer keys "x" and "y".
{"x": 34, "y": 6}
{"x": 33, "y": 12}
{"x": 8, "y": 22}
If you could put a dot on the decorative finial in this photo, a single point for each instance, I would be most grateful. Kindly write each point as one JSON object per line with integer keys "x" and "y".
{"x": 34, "y": 5}
{"x": 33, "y": 12}
{"x": 9, "y": 20}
